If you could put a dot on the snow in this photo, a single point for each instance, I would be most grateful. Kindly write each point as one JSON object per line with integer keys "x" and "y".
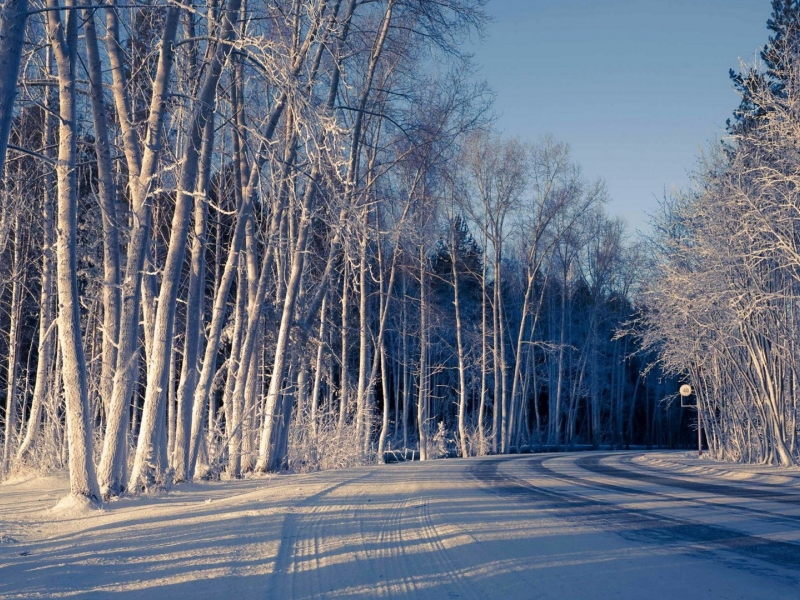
{"x": 587, "y": 525}
{"x": 686, "y": 462}
{"x": 75, "y": 506}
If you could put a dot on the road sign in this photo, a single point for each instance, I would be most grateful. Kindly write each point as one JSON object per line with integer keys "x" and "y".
{"x": 685, "y": 391}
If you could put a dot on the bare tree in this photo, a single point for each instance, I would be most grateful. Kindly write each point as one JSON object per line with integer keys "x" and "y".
{"x": 13, "y": 16}
{"x": 83, "y": 481}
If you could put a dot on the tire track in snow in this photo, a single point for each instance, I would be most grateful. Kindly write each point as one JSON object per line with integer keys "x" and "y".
{"x": 316, "y": 528}
{"x": 284, "y": 580}
{"x": 390, "y": 556}
{"x": 594, "y": 464}
{"x": 413, "y": 560}
{"x": 440, "y": 556}
{"x": 392, "y": 547}
{"x": 636, "y": 525}
{"x": 305, "y": 582}
{"x": 397, "y": 578}
{"x": 753, "y": 474}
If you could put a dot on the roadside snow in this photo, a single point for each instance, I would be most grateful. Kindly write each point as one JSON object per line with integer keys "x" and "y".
{"x": 688, "y": 463}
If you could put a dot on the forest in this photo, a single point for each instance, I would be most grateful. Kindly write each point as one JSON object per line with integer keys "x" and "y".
{"x": 251, "y": 236}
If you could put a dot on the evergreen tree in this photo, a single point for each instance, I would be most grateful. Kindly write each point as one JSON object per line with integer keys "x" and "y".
{"x": 783, "y": 43}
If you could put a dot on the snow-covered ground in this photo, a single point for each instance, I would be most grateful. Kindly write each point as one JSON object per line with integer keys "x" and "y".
{"x": 589, "y": 525}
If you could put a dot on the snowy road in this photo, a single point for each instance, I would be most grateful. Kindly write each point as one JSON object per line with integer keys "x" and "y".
{"x": 594, "y": 525}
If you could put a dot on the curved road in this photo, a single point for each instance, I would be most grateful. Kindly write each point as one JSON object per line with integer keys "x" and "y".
{"x": 552, "y": 526}
{"x": 561, "y": 526}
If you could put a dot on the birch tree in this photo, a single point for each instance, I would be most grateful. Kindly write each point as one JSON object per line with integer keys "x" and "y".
{"x": 64, "y": 36}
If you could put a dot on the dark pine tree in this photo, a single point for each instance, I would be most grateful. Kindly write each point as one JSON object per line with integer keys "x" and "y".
{"x": 784, "y": 42}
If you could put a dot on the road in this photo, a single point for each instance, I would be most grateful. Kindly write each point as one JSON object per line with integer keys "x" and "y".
{"x": 561, "y": 526}
{"x": 548, "y": 526}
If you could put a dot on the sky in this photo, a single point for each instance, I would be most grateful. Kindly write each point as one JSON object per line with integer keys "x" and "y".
{"x": 636, "y": 87}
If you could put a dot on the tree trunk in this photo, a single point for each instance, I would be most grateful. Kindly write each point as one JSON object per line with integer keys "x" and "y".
{"x": 501, "y": 321}
{"x": 363, "y": 342}
{"x": 107, "y": 195}
{"x": 497, "y": 413}
{"x": 230, "y": 402}
{"x": 422, "y": 401}
{"x": 83, "y": 481}
{"x": 297, "y": 261}
{"x": 556, "y": 429}
{"x": 344, "y": 375}
{"x": 520, "y": 350}
{"x": 462, "y": 379}
{"x": 406, "y": 364}
{"x": 15, "y": 314}
{"x": 46, "y": 308}
{"x": 484, "y": 362}
{"x": 383, "y": 309}
{"x": 165, "y": 315}
{"x": 111, "y": 471}
{"x": 194, "y": 312}
{"x": 13, "y": 15}
{"x": 318, "y": 365}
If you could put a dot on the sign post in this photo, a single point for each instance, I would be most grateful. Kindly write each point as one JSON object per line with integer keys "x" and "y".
{"x": 686, "y": 390}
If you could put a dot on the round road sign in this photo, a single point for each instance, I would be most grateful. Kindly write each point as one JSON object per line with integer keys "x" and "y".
{"x": 686, "y": 389}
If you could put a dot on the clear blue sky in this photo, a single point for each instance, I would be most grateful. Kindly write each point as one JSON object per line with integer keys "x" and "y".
{"x": 636, "y": 87}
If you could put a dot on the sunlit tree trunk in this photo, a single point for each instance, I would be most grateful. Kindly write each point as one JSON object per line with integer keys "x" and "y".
{"x": 83, "y": 481}
{"x": 504, "y": 409}
{"x": 165, "y": 315}
{"x": 15, "y": 314}
{"x": 194, "y": 312}
{"x": 383, "y": 310}
{"x": 363, "y": 342}
{"x": 230, "y": 403}
{"x": 318, "y": 367}
{"x": 343, "y": 329}
{"x": 266, "y": 458}
{"x": 107, "y": 196}
{"x": 46, "y": 308}
{"x": 142, "y": 167}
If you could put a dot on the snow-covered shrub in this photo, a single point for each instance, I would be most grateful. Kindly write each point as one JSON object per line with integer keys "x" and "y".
{"x": 325, "y": 446}
{"x": 438, "y": 442}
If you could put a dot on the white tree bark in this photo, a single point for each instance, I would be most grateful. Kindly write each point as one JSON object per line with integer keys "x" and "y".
{"x": 462, "y": 376}
{"x": 423, "y": 398}
{"x": 83, "y": 481}
{"x": 46, "y": 309}
{"x": 165, "y": 315}
{"x": 194, "y": 313}
{"x": 15, "y": 315}
{"x": 107, "y": 195}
